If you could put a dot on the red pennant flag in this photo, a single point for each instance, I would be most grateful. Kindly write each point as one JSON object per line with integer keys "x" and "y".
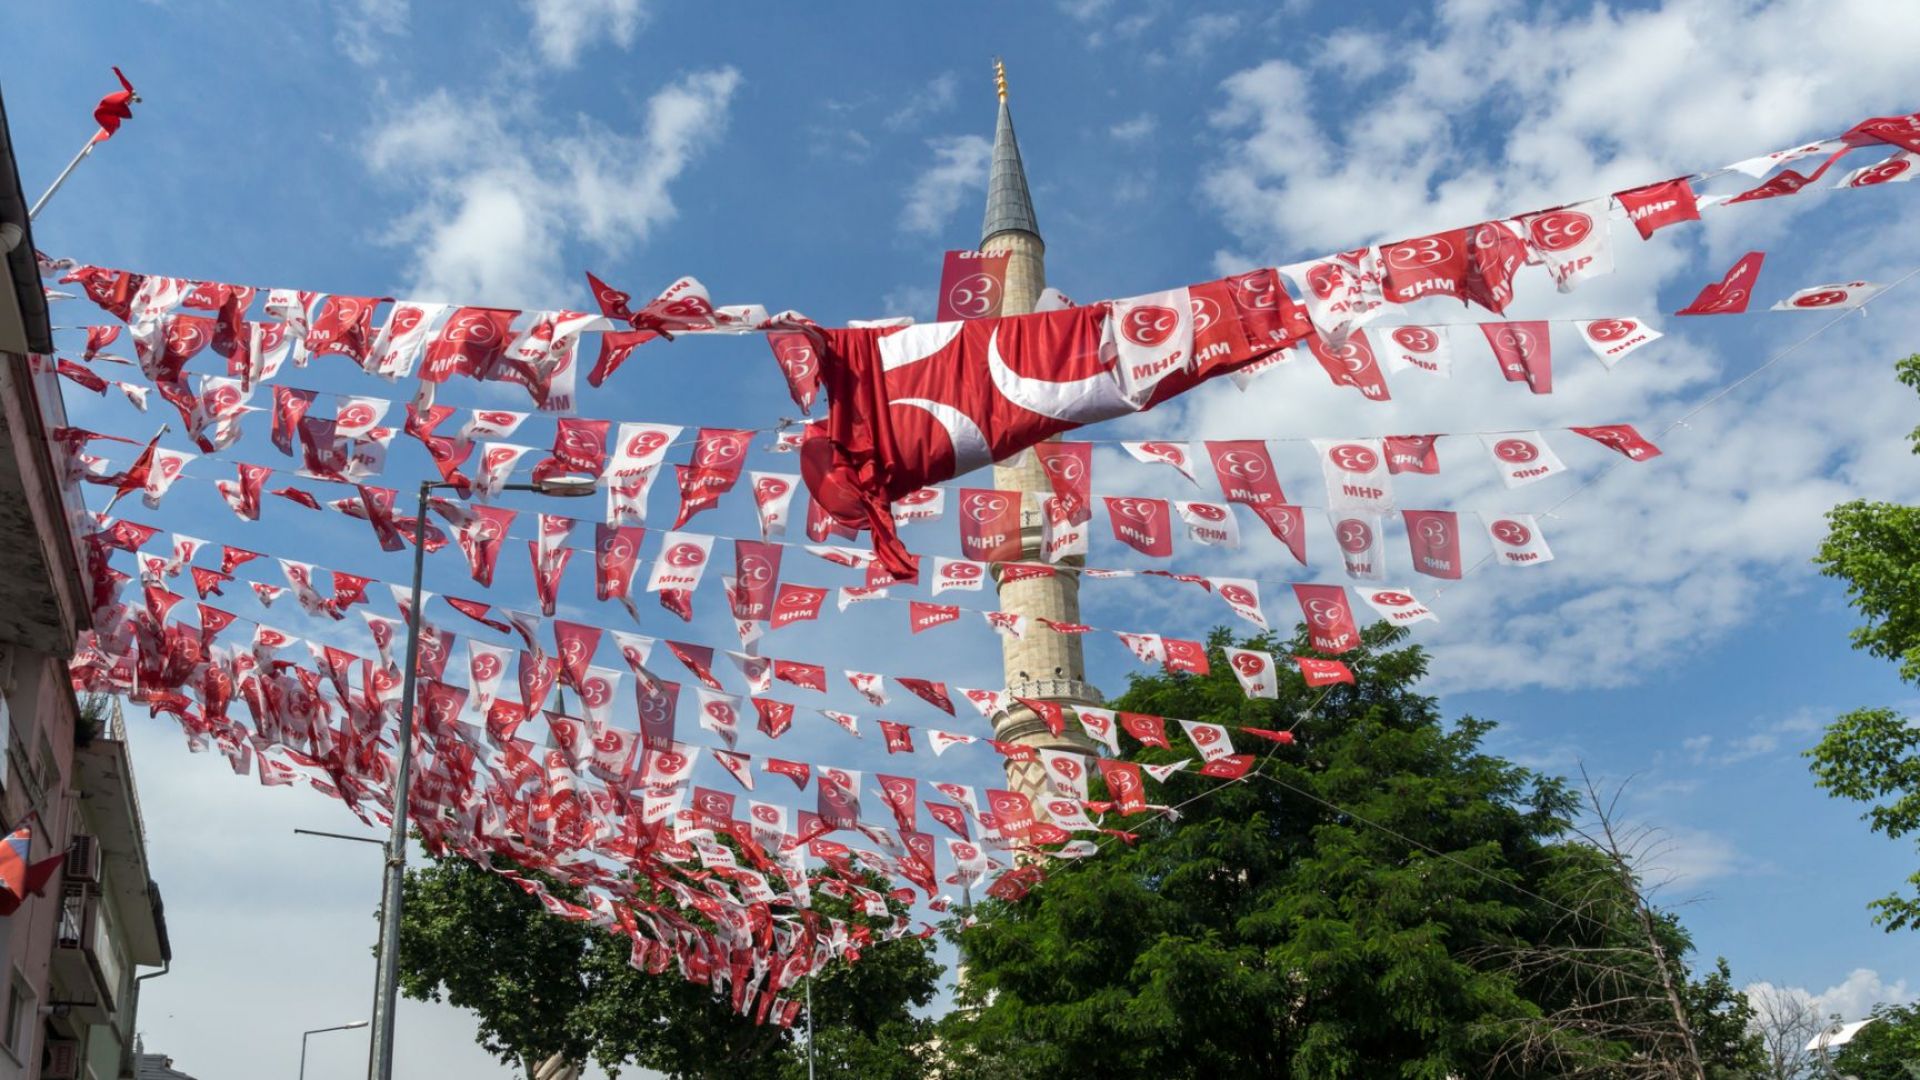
{"x": 1145, "y": 525}
{"x": 470, "y": 342}
{"x": 1288, "y": 524}
{"x": 1428, "y": 266}
{"x": 1317, "y": 672}
{"x": 775, "y": 716}
{"x": 796, "y": 603}
{"x": 658, "y": 706}
{"x": 616, "y": 548}
{"x": 697, "y": 659}
{"x": 804, "y": 676}
{"x": 1228, "y": 767}
{"x": 1330, "y": 626}
{"x": 972, "y": 285}
{"x": 1434, "y": 536}
{"x": 1621, "y": 437}
{"x": 901, "y": 793}
{"x": 925, "y": 616}
{"x": 1148, "y": 730}
{"x": 576, "y": 644}
{"x": 1657, "y": 206}
{"x": 1524, "y": 351}
{"x": 799, "y": 362}
{"x": 1245, "y": 471}
{"x": 989, "y": 524}
{"x": 344, "y": 324}
{"x": 1069, "y": 469}
{"x": 899, "y": 737}
{"x": 756, "y": 571}
{"x": 1351, "y": 363}
{"x": 1049, "y": 713}
{"x": 933, "y": 693}
{"x": 953, "y": 817}
{"x": 1124, "y": 784}
{"x": 1731, "y": 294}
{"x": 112, "y": 109}
{"x": 1411, "y": 454}
{"x": 1187, "y": 656}
{"x": 546, "y": 574}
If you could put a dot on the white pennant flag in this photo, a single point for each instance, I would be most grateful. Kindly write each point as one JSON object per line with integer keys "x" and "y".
{"x": 486, "y": 667}
{"x": 1212, "y": 524}
{"x": 397, "y": 347}
{"x": 1149, "y": 648}
{"x": 1242, "y": 595}
{"x": 1897, "y": 168}
{"x": 497, "y": 461}
{"x": 1836, "y": 297}
{"x": 1342, "y": 292}
{"x": 1362, "y": 541}
{"x": 1516, "y": 539}
{"x": 166, "y": 468}
{"x": 1150, "y": 337}
{"x": 1178, "y": 455}
{"x": 1099, "y": 724}
{"x": 1066, "y": 771}
{"x": 681, "y": 563}
{"x": 962, "y": 574}
{"x": 641, "y": 447}
{"x": 1254, "y": 670}
{"x": 1210, "y": 739}
{"x": 926, "y": 504}
{"x": 1522, "y": 457}
{"x": 772, "y": 500}
{"x": 1397, "y": 606}
{"x": 1417, "y": 348}
{"x": 1575, "y": 241}
{"x": 1613, "y": 339}
{"x": 1356, "y": 472}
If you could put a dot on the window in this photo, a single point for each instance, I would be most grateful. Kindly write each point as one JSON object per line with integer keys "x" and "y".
{"x": 16, "y": 1025}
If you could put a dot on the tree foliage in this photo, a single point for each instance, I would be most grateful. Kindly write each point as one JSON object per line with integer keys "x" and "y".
{"x": 541, "y": 985}
{"x": 1887, "y": 1049}
{"x": 1347, "y": 910}
{"x": 1872, "y": 755}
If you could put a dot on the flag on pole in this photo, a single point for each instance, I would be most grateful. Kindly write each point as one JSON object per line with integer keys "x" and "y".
{"x": 114, "y": 108}
{"x": 19, "y": 878}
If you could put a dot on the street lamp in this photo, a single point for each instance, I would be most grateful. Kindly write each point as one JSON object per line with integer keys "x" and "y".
{"x": 386, "y": 998}
{"x": 316, "y": 1031}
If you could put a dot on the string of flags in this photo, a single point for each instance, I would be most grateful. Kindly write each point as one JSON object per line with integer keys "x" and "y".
{"x": 910, "y": 406}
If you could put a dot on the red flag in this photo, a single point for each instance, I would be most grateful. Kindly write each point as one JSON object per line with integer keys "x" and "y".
{"x": 19, "y": 878}
{"x": 1351, "y": 363}
{"x": 925, "y": 616}
{"x": 1330, "y": 626}
{"x": 1318, "y": 672}
{"x": 616, "y": 548}
{"x": 899, "y": 737}
{"x": 933, "y": 693}
{"x": 1429, "y": 266}
{"x": 135, "y": 478}
{"x": 1434, "y": 536}
{"x": 1621, "y": 437}
{"x": 1149, "y": 730}
{"x": 1657, "y": 206}
{"x": 775, "y": 716}
{"x": 1245, "y": 471}
{"x": 756, "y": 570}
{"x": 972, "y": 285}
{"x": 989, "y": 524}
{"x": 1411, "y": 454}
{"x": 796, "y": 603}
{"x": 805, "y": 676}
{"x": 470, "y": 342}
{"x": 1069, "y": 469}
{"x": 800, "y": 363}
{"x": 1123, "y": 783}
{"x": 1524, "y": 351}
{"x": 114, "y": 108}
{"x": 1145, "y": 525}
{"x": 1729, "y": 295}
{"x": 1288, "y": 524}
{"x": 1049, "y": 713}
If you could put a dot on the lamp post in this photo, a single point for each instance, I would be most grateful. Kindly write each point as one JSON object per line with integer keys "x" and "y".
{"x": 316, "y": 1031}
{"x": 383, "y": 846}
{"x": 387, "y": 993}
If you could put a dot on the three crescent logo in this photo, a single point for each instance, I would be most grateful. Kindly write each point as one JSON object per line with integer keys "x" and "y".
{"x": 1205, "y": 735}
{"x": 1355, "y": 536}
{"x": 1144, "y": 511}
{"x": 1244, "y": 464}
{"x": 1149, "y": 325}
{"x": 769, "y": 489}
{"x": 1560, "y": 230}
{"x": 1416, "y": 339}
{"x": 974, "y": 296}
{"x": 1515, "y": 450}
{"x": 1255, "y": 291}
{"x": 721, "y": 451}
{"x": 1207, "y": 511}
{"x": 796, "y": 356}
{"x": 686, "y": 555}
{"x": 1882, "y": 173}
{"x": 1823, "y": 298}
{"x": 1434, "y": 532}
{"x": 1419, "y": 254}
{"x": 1511, "y": 533}
{"x": 1393, "y": 599}
{"x": 1354, "y": 458}
{"x": 1325, "y": 279}
{"x": 1205, "y": 311}
{"x": 646, "y": 443}
{"x": 986, "y": 508}
{"x": 963, "y": 571}
{"x": 1064, "y": 466}
{"x": 1326, "y": 614}
{"x": 1238, "y": 596}
{"x": 1611, "y": 329}
{"x": 1249, "y": 664}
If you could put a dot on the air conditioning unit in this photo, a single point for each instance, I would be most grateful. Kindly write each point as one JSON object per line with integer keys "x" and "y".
{"x": 63, "y": 1060}
{"x": 83, "y": 859}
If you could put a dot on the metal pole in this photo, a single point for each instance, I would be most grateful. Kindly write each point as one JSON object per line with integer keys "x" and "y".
{"x": 321, "y": 1031}
{"x": 378, "y": 918}
{"x": 388, "y": 997}
{"x": 62, "y": 178}
{"x": 303, "y": 1054}
{"x": 809, "y": 1022}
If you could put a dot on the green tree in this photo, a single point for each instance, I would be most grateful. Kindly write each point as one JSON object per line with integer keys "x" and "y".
{"x": 1872, "y": 755}
{"x": 542, "y": 985}
{"x": 1352, "y": 908}
{"x": 1886, "y": 1049}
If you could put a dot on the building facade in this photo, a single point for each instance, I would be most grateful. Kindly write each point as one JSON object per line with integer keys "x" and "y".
{"x": 68, "y": 958}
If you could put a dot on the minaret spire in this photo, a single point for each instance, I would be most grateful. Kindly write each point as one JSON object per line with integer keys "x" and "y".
{"x": 1041, "y": 665}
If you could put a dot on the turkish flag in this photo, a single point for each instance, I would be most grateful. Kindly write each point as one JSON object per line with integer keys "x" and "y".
{"x": 1656, "y": 206}
{"x": 114, "y": 108}
{"x": 973, "y": 285}
{"x": 1729, "y": 295}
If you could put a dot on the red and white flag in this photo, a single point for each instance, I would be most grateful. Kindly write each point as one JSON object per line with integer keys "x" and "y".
{"x": 497, "y": 462}
{"x": 396, "y": 348}
{"x": 1362, "y": 543}
{"x": 1516, "y": 539}
{"x": 773, "y": 501}
{"x": 720, "y": 714}
{"x": 796, "y": 603}
{"x": 972, "y": 285}
{"x": 1330, "y": 626}
{"x": 1066, "y": 770}
{"x": 1316, "y": 672}
{"x": 1148, "y": 648}
{"x": 1524, "y": 351}
{"x": 1656, "y": 206}
{"x": 1245, "y": 471}
{"x": 682, "y": 562}
{"x": 1254, "y": 670}
{"x": 1212, "y": 524}
{"x": 926, "y": 504}
{"x": 1178, "y": 455}
{"x": 1434, "y": 538}
{"x": 963, "y": 574}
{"x": 1623, "y": 439}
{"x": 1838, "y": 296}
{"x": 1288, "y": 524}
{"x": 1613, "y": 339}
{"x": 1897, "y": 168}
{"x": 1418, "y": 348}
{"x": 1731, "y": 294}
{"x": 1574, "y": 241}
{"x": 1351, "y": 363}
{"x": 1397, "y": 606}
{"x": 639, "y": 448}
{"x": 1211, "y": 740}
{"x": 1356, "y": 472}
{"x": 990, "y": 524}
{"x": 1242, "y": 596}
{"x": 799, "y": 362}
{"x": 1145, "y": 525}
{"x": 756, "y": 571}
{"x": 1342, "y": 292}
{"x": 1069, "y": 469}
{"x": 1150, "y": 338}
{"x": 1411, "y": 454}
{"x": 1522, "y": 457}
{"x": 1100, "y": 725}
{"x": 1427, "y": 266}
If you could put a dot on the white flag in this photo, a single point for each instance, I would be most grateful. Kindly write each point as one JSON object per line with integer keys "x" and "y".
{"x": 1254, "y": 669}
{"x": 1356, "y": 472}
{"x": 1397, "y": 606}
{"x": 1150, "y": 337}
{"x": 1574, "y": 241}
{"x": 1522, "y": 457}
{"x": 1612, "y": 339}
{"x": 1516, "y": 539}
{"x": 1212, "y": 524}
{"x": 1417, "y": 348}
{"x": 1362, "y": 541}
{"x": 1838, "y": 296}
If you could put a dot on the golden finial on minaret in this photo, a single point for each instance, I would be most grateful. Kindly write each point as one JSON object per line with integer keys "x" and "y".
{"x": 1000, "y": 78}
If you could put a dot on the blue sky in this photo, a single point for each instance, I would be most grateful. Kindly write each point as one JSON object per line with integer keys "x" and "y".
{"x": 821, "y": 159}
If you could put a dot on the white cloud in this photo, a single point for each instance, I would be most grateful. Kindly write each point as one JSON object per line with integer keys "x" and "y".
{"x": 562, "y": 28}
{"x": 1660, "y": 557}
{"x": 1789, "y": 735}
{"x": 363, "y": 25}
{"x": 959, "y": 168}
{"x": 1135, "y": 129}
{"x": 1851, "y": 999}
{"x": 1202, "y": 32}
{"x": 930, "y": 100}
{"x": 490, "y": 226}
